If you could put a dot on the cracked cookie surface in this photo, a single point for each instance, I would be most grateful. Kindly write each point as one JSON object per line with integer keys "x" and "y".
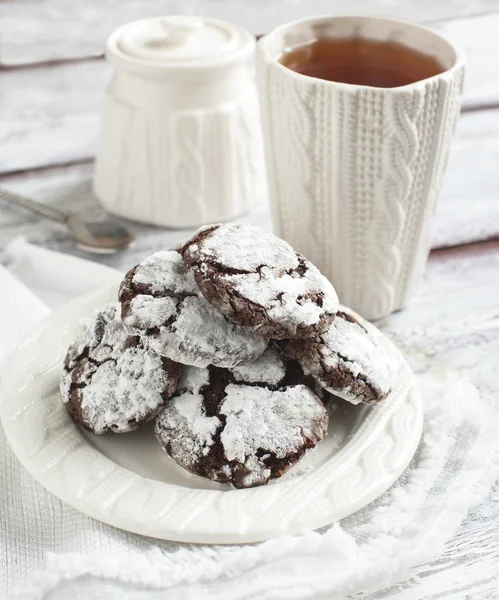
{"x": 258, "y": 281}
{"x": 346, "y": 360}
{"x": 162, "y": 303}
{"x": 110, "y": 382}
{"x": 245, "y": 425}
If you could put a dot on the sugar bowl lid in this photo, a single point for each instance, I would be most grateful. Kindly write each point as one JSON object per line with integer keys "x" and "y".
{"x": 179, "y": 42}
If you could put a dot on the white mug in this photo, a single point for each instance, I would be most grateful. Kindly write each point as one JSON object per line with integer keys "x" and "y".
{"x": 180, "y": 141}
{"x": 354, "y": 170}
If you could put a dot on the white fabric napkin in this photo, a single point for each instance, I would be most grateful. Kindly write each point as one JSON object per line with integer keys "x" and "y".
{"x": 49, "y": 550}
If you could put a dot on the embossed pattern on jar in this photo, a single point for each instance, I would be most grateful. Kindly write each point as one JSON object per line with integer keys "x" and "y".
{"x": 180, "y": 141}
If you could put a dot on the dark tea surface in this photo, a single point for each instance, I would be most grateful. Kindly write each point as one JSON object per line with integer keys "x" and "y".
{"x": 361, "y": 61}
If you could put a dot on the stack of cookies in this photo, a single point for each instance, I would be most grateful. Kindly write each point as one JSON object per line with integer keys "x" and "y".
{"x": 233, "y": 343}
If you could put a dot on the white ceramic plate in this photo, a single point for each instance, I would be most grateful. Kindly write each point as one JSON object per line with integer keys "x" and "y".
{"x": 126, "y": 480}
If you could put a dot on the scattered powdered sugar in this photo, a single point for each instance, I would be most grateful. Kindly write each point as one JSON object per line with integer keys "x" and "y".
{"x": 187, "y": 329}
{"x": 119, "y": 386}
{"x": 275, "y": 421}
{"x": 351, "y": 344}
{"x": 268, "y": 368}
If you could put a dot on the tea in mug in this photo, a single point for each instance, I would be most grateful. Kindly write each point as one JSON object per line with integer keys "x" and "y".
{"x": 361, "y": 61}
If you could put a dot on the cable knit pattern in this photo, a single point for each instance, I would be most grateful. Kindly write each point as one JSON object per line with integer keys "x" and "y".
{"x": 417, "y": 247}
{"x": 398, "y": 181}
{"x": 355, "y": 174}
{"x": 180, "y": 167}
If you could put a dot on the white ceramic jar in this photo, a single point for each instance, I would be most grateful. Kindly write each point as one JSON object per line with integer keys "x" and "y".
{"x": 180, "y": 141}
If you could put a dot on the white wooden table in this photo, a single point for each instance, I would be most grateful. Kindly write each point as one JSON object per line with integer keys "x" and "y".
{"x": 52, "y": 76}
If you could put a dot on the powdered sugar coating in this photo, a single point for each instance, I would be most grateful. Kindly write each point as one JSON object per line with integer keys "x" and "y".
{"x": 194, "y": 429}
{"x": 161, "y": 301}
{"x": 269, "y": 368}
{"x": 243, "y": 432}
{"x": 110, "y": 381}
{"x": 276, "y": 421}
{"x": 246, "y": 248}
{"x": 257, "y": 280}
{"x": 192, "y": 380}
{"x": 164, "y": 272}
{"x": 346, "y": 360}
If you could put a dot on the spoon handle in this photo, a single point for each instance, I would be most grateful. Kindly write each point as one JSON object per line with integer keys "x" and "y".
{"x": 37, "y": 208}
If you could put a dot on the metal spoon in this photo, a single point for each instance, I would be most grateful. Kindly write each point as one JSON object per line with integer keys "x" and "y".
{"x": 93, "y": 236}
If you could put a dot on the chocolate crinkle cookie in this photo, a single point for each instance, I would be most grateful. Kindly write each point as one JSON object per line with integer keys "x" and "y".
{"x": 162, "y": 303}
{"x": 110, "y": 382}
{"x": 346, "y": 360}
{"x": 245, "y": 425}
{"x": 258, "y": 281}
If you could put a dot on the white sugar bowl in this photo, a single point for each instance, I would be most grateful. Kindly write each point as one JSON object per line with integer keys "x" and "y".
{"x": 180, "y": 141}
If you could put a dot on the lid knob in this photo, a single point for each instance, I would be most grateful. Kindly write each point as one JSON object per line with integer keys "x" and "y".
{"x": 179, "y": 29}
{"x": 175, "y": 42}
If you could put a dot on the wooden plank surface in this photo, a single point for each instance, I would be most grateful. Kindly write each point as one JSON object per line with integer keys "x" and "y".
{"x": 468, "y": 208}
{"x": 474, "y": 35}
{"x": 33, "y": 31}
{"x": 477, "y": 38}
{"x": 49, "y": 114}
